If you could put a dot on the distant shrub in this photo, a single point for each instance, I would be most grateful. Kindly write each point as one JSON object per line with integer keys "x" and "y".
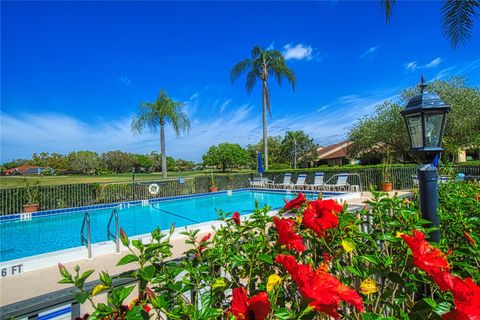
{"x": 279, "y": 166}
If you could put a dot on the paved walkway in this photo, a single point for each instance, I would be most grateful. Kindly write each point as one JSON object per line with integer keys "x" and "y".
{"x": 38, "y": 282}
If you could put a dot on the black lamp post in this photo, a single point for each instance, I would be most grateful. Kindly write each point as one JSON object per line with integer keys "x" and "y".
{"x": 425, "y": 116}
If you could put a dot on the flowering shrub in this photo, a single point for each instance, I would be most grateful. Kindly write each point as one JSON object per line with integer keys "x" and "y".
{"x": 312, "y": 260}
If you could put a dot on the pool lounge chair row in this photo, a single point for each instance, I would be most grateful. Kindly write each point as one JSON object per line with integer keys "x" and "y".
{"x": 318, "y": 183}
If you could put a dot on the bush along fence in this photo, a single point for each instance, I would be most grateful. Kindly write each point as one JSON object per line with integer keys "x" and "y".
{"x": 371, "y": 177}
{"x": 86, "y": 194}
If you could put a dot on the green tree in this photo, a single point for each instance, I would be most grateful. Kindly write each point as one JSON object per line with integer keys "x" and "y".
{"x": 457, "y": 18}
{"x": 298, "y": 146}
{"x": 142, "y": 162}
{"x": 84, "y": 161}
{"x": 118, "y": 161}
{"x": 156, "y": 114}
{"x": 274, "y": 150}
{"x": 382, "y": 134}
{"x": 184, "y": 165}
{"x": 259, "y": 66}
{"x": 226, "y": 155}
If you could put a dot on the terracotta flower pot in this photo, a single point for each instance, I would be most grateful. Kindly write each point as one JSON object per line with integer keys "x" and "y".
{"x": 387, "y": 186}
{"x": 213, "y": 189}
{"x": 27, "y": 208}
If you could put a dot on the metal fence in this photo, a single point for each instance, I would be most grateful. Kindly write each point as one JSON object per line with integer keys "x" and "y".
{"x": 85, "y": 194}
{"x": 76, "y": 195}
{"x": 372, "y": 177}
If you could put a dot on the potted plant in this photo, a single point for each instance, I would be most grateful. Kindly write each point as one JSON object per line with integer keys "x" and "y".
{"x": 387, "y": 183}
{"x": 213, "y": 184}
{"x": 31, "y": 191}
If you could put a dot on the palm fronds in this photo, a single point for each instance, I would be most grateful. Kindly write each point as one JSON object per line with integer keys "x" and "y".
{"x": 457, "y": 20}
{"x": 387, "y": 6}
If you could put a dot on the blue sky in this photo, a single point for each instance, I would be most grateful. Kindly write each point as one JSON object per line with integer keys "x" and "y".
{"x": 73, "y": 74}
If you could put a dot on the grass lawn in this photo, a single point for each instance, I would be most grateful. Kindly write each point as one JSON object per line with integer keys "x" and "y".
{"x": 17, "y": 181}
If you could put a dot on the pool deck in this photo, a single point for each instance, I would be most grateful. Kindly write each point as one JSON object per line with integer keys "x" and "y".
{"x": 33, "y": 283}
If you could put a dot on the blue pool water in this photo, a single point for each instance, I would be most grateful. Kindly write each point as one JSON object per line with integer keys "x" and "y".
{"x": 44, "y": 234}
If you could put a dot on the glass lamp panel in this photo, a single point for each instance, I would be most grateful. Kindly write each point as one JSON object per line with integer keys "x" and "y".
{"x": 415, "y": 129}
{"x": 433, "y": 129}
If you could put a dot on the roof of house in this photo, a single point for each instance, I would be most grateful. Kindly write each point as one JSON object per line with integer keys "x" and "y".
{"x": 334, "y": 151}
{"x": 25, "y": 167}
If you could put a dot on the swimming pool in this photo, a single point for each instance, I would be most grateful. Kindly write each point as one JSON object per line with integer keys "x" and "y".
{"x": 42, "y": 234}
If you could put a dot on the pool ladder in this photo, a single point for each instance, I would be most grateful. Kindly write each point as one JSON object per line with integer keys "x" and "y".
{"x": 114, "y": 236}
{"x": 87, "y": 241}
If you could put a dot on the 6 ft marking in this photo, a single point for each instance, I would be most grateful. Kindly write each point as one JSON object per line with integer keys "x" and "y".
{"x": 12, "y": 270}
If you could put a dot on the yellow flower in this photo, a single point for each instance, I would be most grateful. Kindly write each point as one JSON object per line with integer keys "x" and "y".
{"x": 348, "y": 245}
{"x": 273, "y": 281}
{"x": 368, "y": 286}
{"x": 299, "y": 219}
{"x": 99, "y": 288}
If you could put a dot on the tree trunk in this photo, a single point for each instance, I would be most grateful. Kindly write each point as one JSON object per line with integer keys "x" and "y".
{"x": 162, "y": 149}
{"x": 264, "y": 118}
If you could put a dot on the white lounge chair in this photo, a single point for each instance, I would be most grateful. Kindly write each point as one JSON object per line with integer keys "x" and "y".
{"x": 300, "y": 184}
{"x": 318, "y": 182}
{"x": 260, "y": 183}
{"x": 341, "y": 183}
{"x": 286, "y": 181}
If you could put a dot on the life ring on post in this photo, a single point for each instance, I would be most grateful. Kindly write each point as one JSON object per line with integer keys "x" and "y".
{"x": 153, "y": 189}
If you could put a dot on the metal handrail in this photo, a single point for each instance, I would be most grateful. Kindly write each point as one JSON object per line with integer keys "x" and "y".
{"x": 87, "y": 241}
{"x": 114, "y": 236}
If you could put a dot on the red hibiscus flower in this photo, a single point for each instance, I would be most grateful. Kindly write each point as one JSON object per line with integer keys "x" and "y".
{"x": 320, "y": 215}
{"x": 295, "y": 203}
{"x": 429, "y": 259}
{"x": 323, "y": 291}
{"x": 287, "y": 235}
{"x": 256, "y": 308}
{"x": 466, "y": 296}
{"x": 236, "y": 218}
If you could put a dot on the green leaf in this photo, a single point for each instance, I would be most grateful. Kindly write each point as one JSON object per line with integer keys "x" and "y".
{"x": 282, "y": 314}
{"x": 127, "y": 259}
{"x": 209, "y": 313}
{"x": 430, "y": 302}
{"x": 395, "y": 277}
{"x": 137, "y": 313}
{"x": 147, "y": 273}
{"x": 105, "y": 278}
{"x": 119, "y": 294}
{"x": 84, "y": 277}
{"x": 266, "y": 258}
{"x": 82, "y": 297}
{"x": 137, "y": 244}
{"x": 442, "y": 308}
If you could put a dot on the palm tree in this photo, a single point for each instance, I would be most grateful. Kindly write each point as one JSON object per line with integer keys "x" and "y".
{"x": 154, "y": 114}
{"x": 457, "y": 18}
{"x": 260, "y": 65}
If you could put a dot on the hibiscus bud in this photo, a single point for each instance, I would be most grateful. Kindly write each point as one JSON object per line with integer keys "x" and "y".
{"x": 236, "y": 218}
{"x": 469, "y": 238}
{"x": 205, "y": 238}
{"x": 172, "y": 228}
{"x": 149, "y": 292}
{"x": 63, "y": 270}
{"x": 124, "y": 238}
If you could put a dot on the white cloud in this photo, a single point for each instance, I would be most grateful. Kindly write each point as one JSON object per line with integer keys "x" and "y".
{"x": 24, "y": 134}
{"x": 413, "y": 65}
{"x": 435, "y": 62}
{"x": 298, "y": 52}
{"x": 125, "y": 80}
{"x": 370, "y": 53}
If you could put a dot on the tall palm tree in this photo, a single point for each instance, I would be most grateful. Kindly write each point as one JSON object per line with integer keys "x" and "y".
{"x": 259, "y": 66}
{"x": 457, "y": 18}
{"x": 157, "y": 114}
